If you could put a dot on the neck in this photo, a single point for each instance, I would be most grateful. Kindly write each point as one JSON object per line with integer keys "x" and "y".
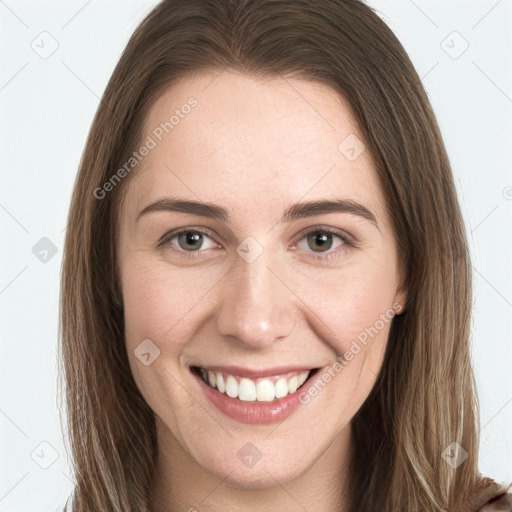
{"x": 181, "y": 485}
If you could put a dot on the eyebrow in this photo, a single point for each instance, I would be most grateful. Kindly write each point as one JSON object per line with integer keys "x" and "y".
{"x": 294, "y": 212}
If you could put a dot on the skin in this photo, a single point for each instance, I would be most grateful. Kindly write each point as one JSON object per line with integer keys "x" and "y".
{"x": 255, "y": 147}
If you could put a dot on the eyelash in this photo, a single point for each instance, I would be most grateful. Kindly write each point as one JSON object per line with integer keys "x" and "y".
{"x": 168, "y": 237}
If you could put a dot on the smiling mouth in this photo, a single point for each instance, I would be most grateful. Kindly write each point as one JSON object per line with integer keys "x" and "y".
{"x": 245, "y": 389}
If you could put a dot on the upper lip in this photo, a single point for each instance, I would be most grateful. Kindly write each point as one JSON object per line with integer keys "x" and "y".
{"x": 242, "y": 371}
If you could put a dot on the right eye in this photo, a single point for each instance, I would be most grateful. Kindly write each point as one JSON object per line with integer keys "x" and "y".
{"x": 188, "y": 241}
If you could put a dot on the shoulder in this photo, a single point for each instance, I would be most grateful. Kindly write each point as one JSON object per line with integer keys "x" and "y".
{"x": 501, "y": 503}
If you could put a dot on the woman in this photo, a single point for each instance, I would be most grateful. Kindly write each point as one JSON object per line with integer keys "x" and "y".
{"x": 266, "y": 284}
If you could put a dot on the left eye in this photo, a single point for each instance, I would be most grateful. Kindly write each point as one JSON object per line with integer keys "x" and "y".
{"x": 321, "y": 240}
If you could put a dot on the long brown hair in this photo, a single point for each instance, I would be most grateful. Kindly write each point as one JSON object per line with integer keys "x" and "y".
{"x": 424, "y": 399}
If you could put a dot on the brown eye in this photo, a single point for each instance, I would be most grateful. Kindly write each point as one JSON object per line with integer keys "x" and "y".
{"x": 320, "y": 241}
{"x": 324, "y": 243}
{"x": 190, "y": 240}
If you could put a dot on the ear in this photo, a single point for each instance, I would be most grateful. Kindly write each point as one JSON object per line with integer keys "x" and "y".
{"x": 400, "y": 299}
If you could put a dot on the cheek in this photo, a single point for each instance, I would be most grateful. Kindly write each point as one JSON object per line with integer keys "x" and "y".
{"x": 353, "y": 314}
{"x": 160, "y": 303}
{"x": 357, "y": 300}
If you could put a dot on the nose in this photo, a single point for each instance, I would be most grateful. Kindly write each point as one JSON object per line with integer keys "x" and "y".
{"x": 255, "y": 305}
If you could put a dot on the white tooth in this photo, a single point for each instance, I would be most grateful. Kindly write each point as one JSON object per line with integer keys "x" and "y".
{"x": 265, "y": 391}
{"x": 292, "y": 384}
{"x": 220, "y": 382}
{"x": 281, "y": 388}
{"x": 247, "y": 390}
{"x": 231, "y": 387}
{"x": 211, "y": 378}
{"x": 302, "y": 378}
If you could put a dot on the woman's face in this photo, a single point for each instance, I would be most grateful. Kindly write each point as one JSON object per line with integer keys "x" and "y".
{"x": 290, "y": 267}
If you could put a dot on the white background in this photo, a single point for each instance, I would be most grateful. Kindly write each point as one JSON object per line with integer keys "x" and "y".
{"x": 47, "y": 106}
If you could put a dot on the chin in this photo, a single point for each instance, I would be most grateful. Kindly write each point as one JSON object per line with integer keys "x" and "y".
{"x": 260, "y": 472}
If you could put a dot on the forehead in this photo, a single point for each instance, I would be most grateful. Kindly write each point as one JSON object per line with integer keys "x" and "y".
{"x": 254, "y": 145}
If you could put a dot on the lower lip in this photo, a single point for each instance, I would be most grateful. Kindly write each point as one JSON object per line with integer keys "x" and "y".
{"x": 256, "y": 413}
